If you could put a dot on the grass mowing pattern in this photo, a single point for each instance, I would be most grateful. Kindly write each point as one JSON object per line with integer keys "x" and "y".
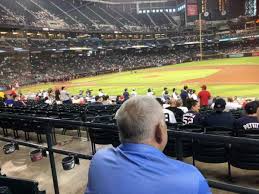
{"x": 157, "y": 78}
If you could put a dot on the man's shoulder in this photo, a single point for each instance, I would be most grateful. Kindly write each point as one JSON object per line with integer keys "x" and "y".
{"x": 104, "y": 153}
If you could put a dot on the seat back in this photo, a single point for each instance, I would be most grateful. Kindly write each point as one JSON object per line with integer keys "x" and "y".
{"x": 19, "y": 186}
{"x": 104, "y": 136}
{"x": 170, "y": 149}
{"x": 246, "y": 156}
{"x": 209, "y": 151}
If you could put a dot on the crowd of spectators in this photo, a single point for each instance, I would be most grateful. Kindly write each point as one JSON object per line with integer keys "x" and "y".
{"x": 46, "y": 60}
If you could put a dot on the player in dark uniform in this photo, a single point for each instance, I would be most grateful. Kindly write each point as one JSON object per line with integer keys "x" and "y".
{"x": 192, "y": 117}
{"x": 218, "y": 118}
{"x": 250, "y": 121}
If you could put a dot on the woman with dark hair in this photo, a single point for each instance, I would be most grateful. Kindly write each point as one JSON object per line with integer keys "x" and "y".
{"x": 192, "y": 117}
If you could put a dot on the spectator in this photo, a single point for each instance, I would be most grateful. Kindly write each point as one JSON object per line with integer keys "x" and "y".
{"x": 101, "y": 93}
{"x": 88, "y": 94}
{"x": 165, "y": 90}
{"x": 218, "y": 118}
{"x": 57, "y": 95}
{"x": 231, "y": 105}
{"x": 143, "y": 135}
{"x": 250, "y": 121}
{"x": 184, "y": 95}
{"x": 64, "y": 96}
{"x": 126, "y": 94}
{"x": 177, "y": 111}
{"x": 171, "y": 116}
{"x": 174, "y": 95}
{"x": 1, "y": 95}
{"x": 150, "y": 92}
{"x": 179, "y": 104}
{"x": 204, "y": 96}
{"x": 133, "y": 93}
{"x": 106, "y": 100}
{"x": 193, "y": 95}
{"x": 193, "y": 117}
{"x": 166, "y": 96}
{"x": 98, "y": 100}
{"x": 9, "y": 101}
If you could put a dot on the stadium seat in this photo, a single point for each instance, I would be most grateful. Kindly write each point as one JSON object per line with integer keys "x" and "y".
{"x": 245, "y": 157}
{"x": 20, "y": 186}
{"x": 209, "y": 151}
{"x": 103, "y": 137}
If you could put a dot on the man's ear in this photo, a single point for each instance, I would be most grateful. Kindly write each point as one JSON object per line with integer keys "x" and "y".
{"x": 159, "y": 133}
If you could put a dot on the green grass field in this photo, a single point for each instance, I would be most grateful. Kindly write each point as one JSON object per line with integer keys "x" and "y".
{"x": 158, "y": 78}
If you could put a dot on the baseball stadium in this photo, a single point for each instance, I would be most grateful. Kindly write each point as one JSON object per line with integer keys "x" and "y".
{"x": 129, "y": 96}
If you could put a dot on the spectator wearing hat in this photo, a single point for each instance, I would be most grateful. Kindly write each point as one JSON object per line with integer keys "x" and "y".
{"x": 250, "y": 120}
{"x": 204, "y": 96}
{"x": 219, "y": 118}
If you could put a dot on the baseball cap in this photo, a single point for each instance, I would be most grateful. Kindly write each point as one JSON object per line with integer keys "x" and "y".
{"x": 220, "y": 104}
{"x": 251, "y": 107}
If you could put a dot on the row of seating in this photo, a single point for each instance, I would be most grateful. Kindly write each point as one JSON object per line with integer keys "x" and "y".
{"x": 203, "y": 151}
{"x": 10, "y": 185}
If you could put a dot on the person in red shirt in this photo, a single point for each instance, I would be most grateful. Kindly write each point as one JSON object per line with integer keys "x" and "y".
{"x": 204, "y": 96}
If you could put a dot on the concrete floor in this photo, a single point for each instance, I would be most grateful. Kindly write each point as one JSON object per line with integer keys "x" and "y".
{"x": 74, "y": 181}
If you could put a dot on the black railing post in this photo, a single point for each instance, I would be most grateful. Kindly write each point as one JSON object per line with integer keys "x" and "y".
{"x": 179, "y": 148}
{"x": 52, "y": 161}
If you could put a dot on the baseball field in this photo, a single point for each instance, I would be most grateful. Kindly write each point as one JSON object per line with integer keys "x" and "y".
{"x": 224, "y": 77}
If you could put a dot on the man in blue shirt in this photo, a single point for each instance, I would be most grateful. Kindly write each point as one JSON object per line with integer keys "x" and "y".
{"x": 138, "y": 165}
